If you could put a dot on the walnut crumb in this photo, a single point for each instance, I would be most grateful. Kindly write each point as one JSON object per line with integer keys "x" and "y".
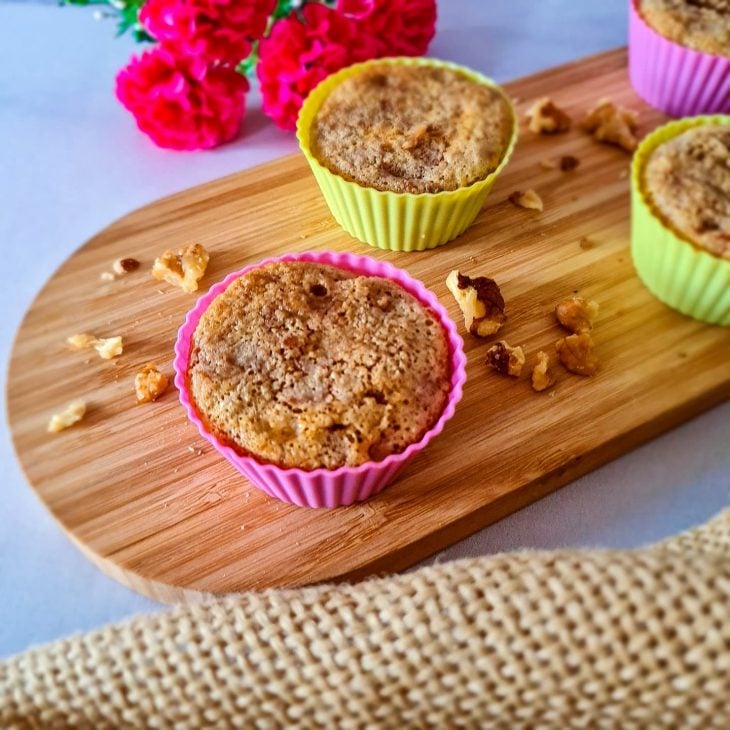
{"x": 586, "y": 243}
{"x": 548, "y": 163}
{"x": 576, "y": 354}
{"x": 546, "y": 118}
{"x": 150, "y": 384}
{"x": 576, "y": 314}
{"x": 505, "y": 359}
{"x": 568, "y": 163}
{"x": 125, "y": 266}
{"x": 612, "y": 124}
{"x": 542, "y": 376}
{"x": 107, "y": 347}
{"x": 184, "y": 268}
{"x": 107, "y": 276}
{"x": 528, "y": 199}
{"x": 71, "y": 414}
{"x": 480, "y": 301}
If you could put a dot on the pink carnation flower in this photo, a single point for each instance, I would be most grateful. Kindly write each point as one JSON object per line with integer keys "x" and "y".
{"x": 182, "y": 103}
{"x": 300, "y": 51}
{"x": 216, "y": 30}
{"x": 402, "y": 27}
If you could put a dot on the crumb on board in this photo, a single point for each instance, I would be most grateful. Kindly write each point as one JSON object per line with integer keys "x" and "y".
{"x": 480, "y": 301}
{"x": 505, "y": 359}
{"x": 107, "y": 347}
{"x": 586, "y": 243}
{"x": 542, "y": 377}
{"x": 150, "y": 384}
{"x": 547, "y": 118}
{"x": 184, "y": 268}
{"x": 65, "y": 418}
{"x": 526, "y": 199}
{"x": 125, "y": 266}
{"x": 612, "y": 125}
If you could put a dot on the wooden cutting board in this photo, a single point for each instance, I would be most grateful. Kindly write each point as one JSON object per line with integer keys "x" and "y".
{"x": 153, "y": 506}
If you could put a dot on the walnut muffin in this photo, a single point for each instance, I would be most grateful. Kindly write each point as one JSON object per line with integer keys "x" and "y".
{"x": 412, "y": 129}
{"x": 703, "y": 25}
{"x": 306, "y": 365}
{"x": 687, "y": 181}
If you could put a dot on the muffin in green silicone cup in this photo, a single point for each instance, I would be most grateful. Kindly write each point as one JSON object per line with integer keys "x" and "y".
{"x": 680, "y": 216}
{"x": 407, "y": 176}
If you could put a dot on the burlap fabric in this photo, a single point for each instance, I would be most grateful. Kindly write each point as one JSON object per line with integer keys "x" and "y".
{"x": 593, "y": 639}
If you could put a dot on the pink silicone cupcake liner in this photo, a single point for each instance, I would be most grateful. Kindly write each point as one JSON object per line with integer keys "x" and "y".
{"x": 677, "y": 80}
{"x": 325, "y": 487}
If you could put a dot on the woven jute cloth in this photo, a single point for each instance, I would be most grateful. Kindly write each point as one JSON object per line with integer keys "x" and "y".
{"x": 579, "y": 639}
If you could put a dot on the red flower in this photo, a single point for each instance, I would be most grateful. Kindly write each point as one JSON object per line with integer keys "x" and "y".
{"x": 182, "y": 103}
{"x": 403, "y": 27}
{"x": 216, "y": 30}
{"x": 299, "y": 53}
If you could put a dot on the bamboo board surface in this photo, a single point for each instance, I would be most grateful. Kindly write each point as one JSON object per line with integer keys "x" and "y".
{"x": 129, "y": 484}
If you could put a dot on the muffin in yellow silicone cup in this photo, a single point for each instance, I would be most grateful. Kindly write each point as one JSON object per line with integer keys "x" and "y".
{"x": 680, "y": 216}
{"x": 402, "y": 172}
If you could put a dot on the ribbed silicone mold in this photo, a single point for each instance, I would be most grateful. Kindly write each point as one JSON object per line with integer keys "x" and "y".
{"x": 680, "y": 274}
{"x": 397, "y": 221}
{"x": 325, "y": 487}
{"x": 678, "y": 80}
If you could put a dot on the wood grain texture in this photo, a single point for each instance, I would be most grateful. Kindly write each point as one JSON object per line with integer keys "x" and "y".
{"x": 127, "y": 485}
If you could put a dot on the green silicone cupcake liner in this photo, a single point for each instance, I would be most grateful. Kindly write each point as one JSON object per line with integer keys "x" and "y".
{"x": 397, "y": 221}
{"x": 679, "y": 273}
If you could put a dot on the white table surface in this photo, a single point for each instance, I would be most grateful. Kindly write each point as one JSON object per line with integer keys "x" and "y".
{"x": 71, "y": 161}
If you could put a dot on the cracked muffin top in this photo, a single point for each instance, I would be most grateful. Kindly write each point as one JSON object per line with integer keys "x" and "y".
{"x": 687, "y": 180}
{"x": 412, "y": 129}
{"x": 703, "y": 25}
{"x": 305, "y": 365}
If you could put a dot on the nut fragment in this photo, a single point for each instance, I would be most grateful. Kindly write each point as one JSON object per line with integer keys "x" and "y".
{"x": 542, "y": 377}
{"x": 568, "y": 163}
{"x": 576, "y": 354}
{"x": 527, "y": 199}
{"x": 480, "y": 300}
{"x": 107, "y": 276}
{"x": 576, "y": 314}
{"x": 71, "y": 414}
{"x": 125, "y": 266}
{"x": 612, "y": 124}
{"x": 184, "y": 268}
{"x": 150, "y": 384}
{"x": 107, "y": 347}
{"x": 505, "y": 359}
{"x": 546, "y": 118}
{"x": 548, "y": 163}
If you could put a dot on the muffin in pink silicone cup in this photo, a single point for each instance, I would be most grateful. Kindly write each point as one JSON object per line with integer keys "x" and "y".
{"x": 319, "y": 375}
{"x": 679, "y": 55}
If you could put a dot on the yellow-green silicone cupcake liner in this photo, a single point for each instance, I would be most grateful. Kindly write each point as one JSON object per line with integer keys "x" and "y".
{"x": 679, "y": 273}
{"x": 397, "y": 221}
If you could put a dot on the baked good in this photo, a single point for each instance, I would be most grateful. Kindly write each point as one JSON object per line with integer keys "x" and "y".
{"x": 306, "y": 365}
{"x": 412, "y": 129}
{"x": 703, "y": 25}
{"x": 687, "y": 182}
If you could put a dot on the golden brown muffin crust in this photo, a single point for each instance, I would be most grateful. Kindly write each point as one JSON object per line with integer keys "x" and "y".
{"x": 412, "y": 129}
{"x": 703, "y": 25}
{"x": 304, "y": 365}
{"x": 687, "y": 180}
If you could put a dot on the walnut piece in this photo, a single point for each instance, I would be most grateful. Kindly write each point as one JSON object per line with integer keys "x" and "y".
{"x": 611, "y": 124}
{"x": 107, "y": 347}
{"x": 125, "y": 266}
{"x": 576, "y": 314}
{"x": 480, "y": 300}
{"x": 184, "y": 268}
{"x": 150, "y": 384}
{"x": 542, "y": 377}
{"x": 546, "y": 118}
{"x": 505, "y": 359}
{"x": 576, "y": 354}
{"x": 528, "y": 199}
{"x": 71, "y": 414}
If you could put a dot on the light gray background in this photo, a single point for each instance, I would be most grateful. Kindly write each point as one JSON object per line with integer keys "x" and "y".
{"x": 71, "y": 161}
